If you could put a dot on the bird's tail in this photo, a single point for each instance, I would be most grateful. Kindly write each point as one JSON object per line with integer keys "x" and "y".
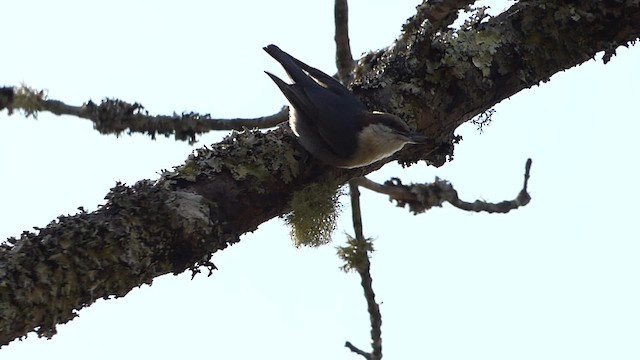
{"x": 290, "y": 64}
{"x": 304, "y": 74}
{"x": 281, "y": 84}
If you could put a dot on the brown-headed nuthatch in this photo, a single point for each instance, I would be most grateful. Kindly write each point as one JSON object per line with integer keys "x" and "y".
{"x": 331, "y": 123}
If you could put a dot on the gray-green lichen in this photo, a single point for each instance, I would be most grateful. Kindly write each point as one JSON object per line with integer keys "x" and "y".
{"x": 190, "y": 207}
{"x": 28, "y": 100}
{"x": 141, "y": 232}
{"x": 249, "y": 155}
{"x": 479, "y": 46}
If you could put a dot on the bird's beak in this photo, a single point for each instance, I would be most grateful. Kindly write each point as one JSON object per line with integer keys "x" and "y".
{"x": 416, "y": 138}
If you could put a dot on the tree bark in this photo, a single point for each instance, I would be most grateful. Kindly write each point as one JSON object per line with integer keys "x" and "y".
{"x": 433, "y": 77}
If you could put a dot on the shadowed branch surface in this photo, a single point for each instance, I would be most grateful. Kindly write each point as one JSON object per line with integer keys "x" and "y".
{"x": 436, "y": 80}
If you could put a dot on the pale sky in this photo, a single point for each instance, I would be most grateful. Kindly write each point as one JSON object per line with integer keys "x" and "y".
{"x": 557, "y": 279}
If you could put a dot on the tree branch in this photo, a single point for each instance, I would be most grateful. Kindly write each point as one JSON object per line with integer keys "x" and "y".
{"x": 152, "y": 228}
{"x": 361, "y": 248}
{"x": 344, "y": 59}
{"x": 114, "y": 116}
{"x": 356, "y": 350}
{"x": 436, "y": 82}
{"x": 422, "y": 197}
{"x": 439, "y": 13}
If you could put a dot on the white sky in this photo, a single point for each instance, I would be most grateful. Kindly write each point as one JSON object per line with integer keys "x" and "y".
{"x": 554, "y": 280}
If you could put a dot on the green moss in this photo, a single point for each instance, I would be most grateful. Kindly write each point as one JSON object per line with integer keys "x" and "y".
{"x": 314, "y": 214}
{"x": 356, "y": 254}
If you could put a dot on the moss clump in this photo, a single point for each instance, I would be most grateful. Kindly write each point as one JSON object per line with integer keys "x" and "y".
{"x": 313, "y": 216}
{"x": 356, "y": 254}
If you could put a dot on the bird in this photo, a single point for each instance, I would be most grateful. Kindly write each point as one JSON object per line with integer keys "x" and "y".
{"x": 331, "y": 123}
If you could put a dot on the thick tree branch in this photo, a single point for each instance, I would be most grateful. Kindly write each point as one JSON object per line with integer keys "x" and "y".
{"x": 437, "y": 82}
{"x": 152, "y": 228}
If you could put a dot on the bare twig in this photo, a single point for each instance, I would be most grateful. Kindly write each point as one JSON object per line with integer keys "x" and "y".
{"x": 422, "y": 197}
{"x": 344, "y": 58}
{"x": 114, "y": 116}
{"x": 356, "y": 214}
{"x": 364, "y": 270}
{"x": 356, "y": 350}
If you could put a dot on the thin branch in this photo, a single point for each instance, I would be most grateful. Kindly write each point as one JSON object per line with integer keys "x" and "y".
{"x": 440, "y": 14}
{"x": 356, "y": 213}
{"x": 375, "y": 317}
{"x": 344, "y": 58}
{"x": 356, "y": 350}
{"x": 422, "y": 197}
{"x": 396, "y": 193}
{"x": 364, "y": 270}
{"x": 522, "y": 199}
{"x": 114, "y": 116}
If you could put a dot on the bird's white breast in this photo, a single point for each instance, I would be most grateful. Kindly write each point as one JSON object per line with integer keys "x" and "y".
{"x": 376, "y": 142}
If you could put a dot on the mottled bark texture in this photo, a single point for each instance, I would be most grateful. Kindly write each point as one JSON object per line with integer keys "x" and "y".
{"x": 434, "y": 78}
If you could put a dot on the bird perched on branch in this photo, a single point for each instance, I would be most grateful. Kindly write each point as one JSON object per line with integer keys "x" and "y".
{"x": 331, "y": 123}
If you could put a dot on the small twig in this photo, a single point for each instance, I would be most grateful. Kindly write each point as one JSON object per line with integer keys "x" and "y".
{"x": 527, "y": 170}
{"x": 396, "y": 193}
{"x": 114, "y": 116}
{"x": 355, "y": 349}
{"x": 344, "y": 58}
{"x": 366, "y": 282}
{"x": 375, "y": 317}
{"x": 356, "y": 214}
{"x": 422, "y": 197}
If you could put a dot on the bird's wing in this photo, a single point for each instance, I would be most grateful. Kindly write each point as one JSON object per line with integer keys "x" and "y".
{"x": 336, "y": 119}
{"x": 290, "y": 65}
